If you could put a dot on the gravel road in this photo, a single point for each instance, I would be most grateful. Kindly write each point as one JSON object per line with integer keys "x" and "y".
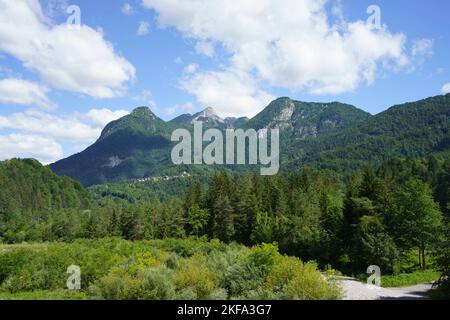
{"x": 356, "y": 290}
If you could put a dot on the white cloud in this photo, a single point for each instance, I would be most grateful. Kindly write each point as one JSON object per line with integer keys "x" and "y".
{"x": 231, "y": 93}
{"x": 101, "y": 117}
{"x": 40, "y": 123}
{"x": 127, "y": 9}
{"x": 205, "y": 48}
{"x": 143, "y": 29}
{"x": 422, "y": 47}
{"x": 67, "y": 58}
{"x": 21, "y": 92}
{"x": 74, "y": 128}
{"x": 40, "y": 135}
{"x": 41, "y": 148}
{"x": 288, "y": 43}
{"x": 178, "y": 60}
{"x": 191, "y": 68}
{"x": 445, "y": 88}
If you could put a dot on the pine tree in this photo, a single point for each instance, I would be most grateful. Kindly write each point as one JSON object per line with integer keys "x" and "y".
{"x": 224, "y": 220}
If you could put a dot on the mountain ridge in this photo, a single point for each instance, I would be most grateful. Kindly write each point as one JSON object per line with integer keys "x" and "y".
{"x": 331, "y": 135}
{"x": 209, "y": 118}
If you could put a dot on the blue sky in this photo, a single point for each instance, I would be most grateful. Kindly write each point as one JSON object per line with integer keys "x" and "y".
{"x": 59, "y": 87}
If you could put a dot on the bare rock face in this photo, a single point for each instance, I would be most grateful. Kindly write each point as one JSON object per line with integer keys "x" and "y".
{"x": 303, "y": 133}
{"x": 286, "y": 114}
{"x": 114, "y": 161}
{"x": 331, "y": 122}
{"x": 284, "y": 118}
{"x": 208, "y": 115}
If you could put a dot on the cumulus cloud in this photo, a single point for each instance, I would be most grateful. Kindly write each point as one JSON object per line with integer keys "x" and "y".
{"x": 67, "y": 58}
{"x": 101, "y": 117}
{"x": 191, "y": 68}
{"x": 43, "y": 133}
{"x": 22, "y": 92}
{"x": 49, "y": 125}
{"x": 445, "y": 88}
{"x": 288, "y": 43}
{"x": 38, "y": 147}
{"x": 77, "y": 127}
{"x": 143, "y": 29}
{"x": 230, "y": 92}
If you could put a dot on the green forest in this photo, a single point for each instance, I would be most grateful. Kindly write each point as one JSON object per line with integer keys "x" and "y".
{"x": 219, "y": 158}
{"x": 227, "y": 236}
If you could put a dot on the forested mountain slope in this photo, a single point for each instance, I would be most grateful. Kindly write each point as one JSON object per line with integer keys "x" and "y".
{"x": 414, "y": 129}
{"x": 28, "y": 186}
{"x": 333, "y": 135}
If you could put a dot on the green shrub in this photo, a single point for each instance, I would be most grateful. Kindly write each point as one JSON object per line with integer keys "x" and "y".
{"x": 291, "y": 279}
{"x": 195, "y": 274}
{"x": 309, "y": 285}
{"x": 264, "y": 256}
{"x": 219, "y": 294}
{"x": 186, "y": 294}
{"x": 117, "y": 269}
{"x": 243, "y": 277}
{"x": 118, "y": 286}
{"x": 159, "y": 284}
{"x": 27, "y": 269}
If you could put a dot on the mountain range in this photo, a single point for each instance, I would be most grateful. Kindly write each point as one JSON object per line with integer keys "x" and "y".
{"x": 210, "y": 119}
{"x": 332, "y": 135}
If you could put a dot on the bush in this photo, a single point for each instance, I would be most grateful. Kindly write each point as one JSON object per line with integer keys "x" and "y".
{"x": 293, "y": 280}
{"x": 309, "y": 285}
{"x": 117, "y": 269}
{"x": 186, "y": 294}
{"x": 195, "y": 274}
{"x": 28, "y": 269}
{"x": 243, "y": 278}
{"x": 118, "y": 286}
{"x": 219, "y": 294}
{"x": 158, "y": 284}
{"x": 264, "y": 257}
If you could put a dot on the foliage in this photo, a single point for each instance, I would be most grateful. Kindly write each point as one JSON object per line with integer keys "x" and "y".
{"x": 392, "y": 215}
{"x": 321, "y": 135}
{"x": 117, "y": 269}
{"x": 409, "y": 279}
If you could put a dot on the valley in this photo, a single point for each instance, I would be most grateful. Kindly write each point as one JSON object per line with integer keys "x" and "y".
{"x": 353, "y": 190}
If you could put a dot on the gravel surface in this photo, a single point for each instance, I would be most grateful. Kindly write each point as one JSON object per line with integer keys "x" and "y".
{"x": 356, "y": 290}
